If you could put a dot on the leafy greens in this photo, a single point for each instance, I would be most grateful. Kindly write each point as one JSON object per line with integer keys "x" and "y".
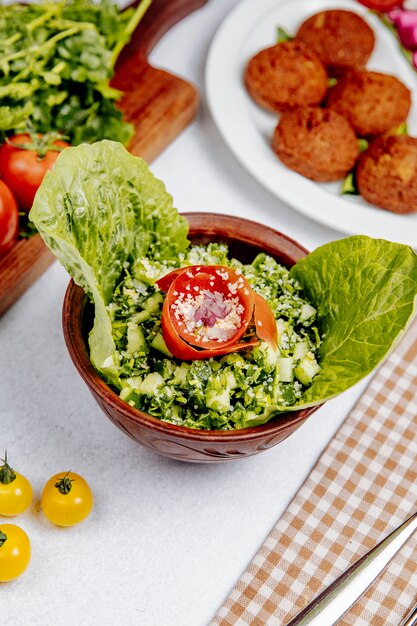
{"x": 365, "y": 291}
{"x": 56, "y": 61}
{"x": 100, "y": 207}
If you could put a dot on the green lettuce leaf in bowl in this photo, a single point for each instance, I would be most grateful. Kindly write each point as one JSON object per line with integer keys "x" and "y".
{"x": 97, "y": 209}
{"x": 101, "y": 207}
{"x": 365, "y": 292}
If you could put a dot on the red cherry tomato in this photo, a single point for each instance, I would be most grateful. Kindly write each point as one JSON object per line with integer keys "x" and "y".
{"x": 380, "y": 5}
{"x": 24, "y": 160}
{"x": 9, "y": 218}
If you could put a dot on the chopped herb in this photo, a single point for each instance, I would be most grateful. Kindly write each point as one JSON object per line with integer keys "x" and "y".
{"x": 283, "y": 35}
{"x": 349, "y": 186}
{"x": 402, "y": 129}
{"x": 363, "y": 144}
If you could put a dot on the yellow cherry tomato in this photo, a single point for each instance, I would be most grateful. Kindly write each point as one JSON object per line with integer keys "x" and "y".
{"x": 66, "y": 499}
{"x": 15, "y": 491}
{"x": 14, "y": 551}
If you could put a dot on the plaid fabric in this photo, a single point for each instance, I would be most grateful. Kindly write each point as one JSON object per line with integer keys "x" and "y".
{"x": 363, "y": 486}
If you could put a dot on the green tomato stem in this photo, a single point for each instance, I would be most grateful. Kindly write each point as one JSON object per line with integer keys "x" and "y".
{"x": 64, "y": 485}
{"x": 41, "y": 144}
{"x": 3, "y": 538}
{"x": 7, "y": 475}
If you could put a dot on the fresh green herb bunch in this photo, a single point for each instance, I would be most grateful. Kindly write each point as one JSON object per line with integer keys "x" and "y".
{"x": 56, "y": 62}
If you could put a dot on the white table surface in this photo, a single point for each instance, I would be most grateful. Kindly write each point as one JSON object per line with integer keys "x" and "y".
{"x": 166, "y": 540}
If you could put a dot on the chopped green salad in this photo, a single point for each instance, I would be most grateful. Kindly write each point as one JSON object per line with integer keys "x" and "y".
{"x": 225, "y": 392}
{"x": 339, "y": 310}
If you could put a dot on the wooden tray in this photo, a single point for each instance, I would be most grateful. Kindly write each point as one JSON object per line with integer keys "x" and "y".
{"x": 159, "y": 104}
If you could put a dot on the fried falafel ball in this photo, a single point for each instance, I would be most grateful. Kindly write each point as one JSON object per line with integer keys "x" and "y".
{"x": 285, "y": 76}
{"x": 317, "y": 143}
{"x": 372, "y": 102}
{"x": 342, "y": 39}
{"x": 386, "y": 173}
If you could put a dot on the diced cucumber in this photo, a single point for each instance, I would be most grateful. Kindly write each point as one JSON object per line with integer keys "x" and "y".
{"x": 134, "y": 382}
{"x": 130, "y": 396}
{"x": 270, "y": 355}
{"x": 307, "y": 312}
{"x": 150, "y": 384}
{"x": 300, "y": 350}
{"x": 136, "y": 341}
{"x": 140, "y": 317}
{"x": 180, "y": 373}
{"x": 230, "y": 380}
{"x": 159, "y": 344}
{"x": 166, "y": 368}
{"x": 286, "y": 369}
{"x": 307, "y": 369}
{"x": 152, "y": 304}
{"x": 218, "y": 401}
{"x": 125, "y": 392}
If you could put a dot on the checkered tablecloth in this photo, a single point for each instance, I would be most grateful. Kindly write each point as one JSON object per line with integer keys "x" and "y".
{"x": 363, "y": 486}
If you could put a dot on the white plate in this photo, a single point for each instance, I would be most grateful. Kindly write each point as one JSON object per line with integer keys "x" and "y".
{"x": 247, "y": 129}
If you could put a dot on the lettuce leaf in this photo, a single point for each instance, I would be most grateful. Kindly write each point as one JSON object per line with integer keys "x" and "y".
{"x": 365, "y": 291}
{"x": 99, "y": 207}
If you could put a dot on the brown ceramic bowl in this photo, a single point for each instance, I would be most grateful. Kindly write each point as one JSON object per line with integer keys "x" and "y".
{"x": 245, "y": 239}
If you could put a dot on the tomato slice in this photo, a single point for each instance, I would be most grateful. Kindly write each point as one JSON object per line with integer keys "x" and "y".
{"x": 198, "y": 299}
{"x": 265, "y": 322}
{"x": 182, "y": 350}
{"x": 210, "y": 306}
{"x": 164, "y": 283}
{"x": 381, "y": 5}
